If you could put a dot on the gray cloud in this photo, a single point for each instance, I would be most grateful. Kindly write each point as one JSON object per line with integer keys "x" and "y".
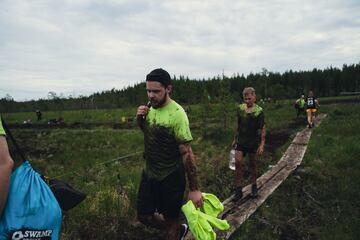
{"x": 83, "y": 46}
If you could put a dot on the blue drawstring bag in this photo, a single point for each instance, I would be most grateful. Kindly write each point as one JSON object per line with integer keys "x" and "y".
{"x": 31, "y": 211}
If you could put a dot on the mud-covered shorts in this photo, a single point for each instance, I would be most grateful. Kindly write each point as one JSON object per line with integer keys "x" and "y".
{"x": 165, "y": 196}
{"x": 245, "y": 149}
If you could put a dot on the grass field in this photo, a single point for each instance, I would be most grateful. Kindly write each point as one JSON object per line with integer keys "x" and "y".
{"x": 116, "y": 115}
{"x": 90, "y": 159}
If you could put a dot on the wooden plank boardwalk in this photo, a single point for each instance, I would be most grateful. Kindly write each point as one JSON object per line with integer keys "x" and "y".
{"x": 237, "y": 212}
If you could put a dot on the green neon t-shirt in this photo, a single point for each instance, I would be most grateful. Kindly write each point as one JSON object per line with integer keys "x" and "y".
{"x": 2, "y": 131}
{"x": 301, "y": 102}
{"x": 165, "y": 129}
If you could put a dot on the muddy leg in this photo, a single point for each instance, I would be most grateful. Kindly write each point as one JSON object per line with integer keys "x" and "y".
{"x": 252, "y": 157}
{"x": 239, "y": 169}
{"x": 156, "y": 221}
{"x": 172, "y": 229}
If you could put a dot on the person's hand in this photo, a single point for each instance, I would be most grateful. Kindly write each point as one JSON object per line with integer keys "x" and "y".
{"x": 197, "y": 198}
{"x": 233, "y": 144}
{"x": 260, "y": 149}
{"x": 142, "y": 111}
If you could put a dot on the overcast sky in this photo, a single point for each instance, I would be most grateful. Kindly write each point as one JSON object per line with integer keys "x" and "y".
{"x": 78, "y": 47}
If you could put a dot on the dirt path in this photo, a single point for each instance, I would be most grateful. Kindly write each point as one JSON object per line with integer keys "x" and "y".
{"x": 238, "y": 212}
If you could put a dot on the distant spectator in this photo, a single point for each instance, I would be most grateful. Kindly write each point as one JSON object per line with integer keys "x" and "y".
{"x": 38, "y": 115}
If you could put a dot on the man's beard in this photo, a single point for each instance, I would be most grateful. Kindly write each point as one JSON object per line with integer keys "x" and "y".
{"x": 158, "y": 104}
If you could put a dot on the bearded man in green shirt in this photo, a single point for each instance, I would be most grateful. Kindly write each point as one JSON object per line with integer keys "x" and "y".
{"x": 169, "y": 157}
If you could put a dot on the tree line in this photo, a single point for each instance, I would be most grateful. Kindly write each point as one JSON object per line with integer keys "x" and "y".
{"x": 331, "y": 81}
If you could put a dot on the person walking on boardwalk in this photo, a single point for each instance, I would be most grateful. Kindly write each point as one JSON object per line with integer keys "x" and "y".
{"x": 311, "y": 104}
{"x": 6, "y": 166}
{"x": 300, "y": 106}
{"x": 168, "y": 156}
{"x": 249, "y": 139}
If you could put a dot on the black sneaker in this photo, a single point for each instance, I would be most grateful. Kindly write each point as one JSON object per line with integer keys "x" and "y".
{"x": 238, "y": 194}
{"x": 254, "y": 191}
{"x": 309, "y": 126}
{"x": 184, "y": 228}
{"x": 313, "y": 125}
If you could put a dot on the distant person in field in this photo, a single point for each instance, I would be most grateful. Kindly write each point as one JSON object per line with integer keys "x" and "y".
{"x": 311, "y": 104}
{"x": 300, "y": 106}
{"x": 38, "y": 115}
{"x": 6, "y": 166}
{"x": 249, "y": 139}
{"x": 168, "y": 155}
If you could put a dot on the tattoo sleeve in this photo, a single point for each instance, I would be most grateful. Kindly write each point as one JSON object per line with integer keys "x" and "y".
{"x": 190, "y": 165}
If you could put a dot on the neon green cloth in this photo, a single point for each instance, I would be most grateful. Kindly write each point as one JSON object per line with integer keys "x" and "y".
{"x": 2, "y": 131}
{"x": 202, "y": 220}
{"x": 257, "y": 110}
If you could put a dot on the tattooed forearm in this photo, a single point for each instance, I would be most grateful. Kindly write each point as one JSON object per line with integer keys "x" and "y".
{"x": 190, "y": 165}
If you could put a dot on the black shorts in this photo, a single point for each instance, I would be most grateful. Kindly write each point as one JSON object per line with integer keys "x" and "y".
{"x": 165, "y": 196}
{"x": 245, "y": 149}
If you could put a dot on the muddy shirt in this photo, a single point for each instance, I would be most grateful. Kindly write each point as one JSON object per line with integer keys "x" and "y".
{"x": 165, "y": 129}
{"x": 250, "y": 126}
{"x": 2, "y": 131}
